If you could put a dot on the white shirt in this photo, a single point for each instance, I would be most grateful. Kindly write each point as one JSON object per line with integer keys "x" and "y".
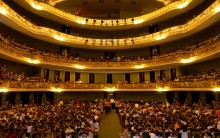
{"x": 136, "y": 105}
{"x": 136, "y": 136}
{"x": 152, "y": 135}
{"x": 184, "y": 135}
{"x": 29, "y": 128}
{"x": 112, "y": 101}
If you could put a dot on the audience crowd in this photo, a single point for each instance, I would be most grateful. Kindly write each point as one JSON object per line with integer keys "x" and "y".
{"x": 65, "y": 119}
{"x": 75, "y": 118}
{"x": 153, "y": 120}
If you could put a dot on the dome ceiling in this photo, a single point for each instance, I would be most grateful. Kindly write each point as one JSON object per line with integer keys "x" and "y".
{"x": 108, "y": 8}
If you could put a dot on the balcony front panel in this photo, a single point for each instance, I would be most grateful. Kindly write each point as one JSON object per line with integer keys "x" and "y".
{"x": 206, "y": 85}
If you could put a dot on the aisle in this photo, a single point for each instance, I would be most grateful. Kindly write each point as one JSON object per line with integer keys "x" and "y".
{"x": 110, "y": 126}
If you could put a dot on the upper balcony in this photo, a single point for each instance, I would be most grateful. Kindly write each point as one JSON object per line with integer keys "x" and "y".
{"x": 196, "y": 53}
{"x": 166, "y": 12}
{"x": 203, "y": 20}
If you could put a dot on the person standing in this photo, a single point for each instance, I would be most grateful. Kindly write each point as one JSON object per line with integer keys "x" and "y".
{"x": 112, "y": 101}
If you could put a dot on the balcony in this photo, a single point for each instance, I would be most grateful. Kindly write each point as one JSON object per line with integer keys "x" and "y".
{"x": 164, "y": 13}
{"x": 205, "y": 19}
{"x": 203, "y": 51}
{"x": 206, "y": 85}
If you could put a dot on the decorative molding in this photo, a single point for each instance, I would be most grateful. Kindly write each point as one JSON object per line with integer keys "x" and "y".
{"x": 206, "y": 85}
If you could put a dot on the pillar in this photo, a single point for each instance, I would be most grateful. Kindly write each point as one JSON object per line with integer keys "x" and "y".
{"x": 4, "y": 98}
{"x": 17, "y": 98}
{"x": 31, "y": 96}
{"x": 189, "y": 97}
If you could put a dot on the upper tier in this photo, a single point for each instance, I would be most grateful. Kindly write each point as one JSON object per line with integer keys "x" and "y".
{"x": 203, "y": 20}
{"x": 202, "y": 51}
{"x": 49, "y": 12}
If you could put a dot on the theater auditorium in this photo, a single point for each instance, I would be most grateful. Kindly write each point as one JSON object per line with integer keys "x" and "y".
{"x": 109, "y": 68}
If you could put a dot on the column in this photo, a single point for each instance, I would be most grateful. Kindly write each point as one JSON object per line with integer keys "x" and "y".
{"x": 202, "y": 97}
{"x": 176, "y": 96}
{"x": 44, "y": 98}
{"x": 31, "y": 97}
{"x": 17, "y": 98}
{"x": 189, "y": 97}
{"x": 216, "y": 96}
{"x": 4, "y": 98}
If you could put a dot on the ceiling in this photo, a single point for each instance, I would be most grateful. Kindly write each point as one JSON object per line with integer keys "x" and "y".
{"x": 108, "y": 8}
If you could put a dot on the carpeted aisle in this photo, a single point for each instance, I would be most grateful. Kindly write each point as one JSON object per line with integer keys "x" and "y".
{"x": 110, "y": 126}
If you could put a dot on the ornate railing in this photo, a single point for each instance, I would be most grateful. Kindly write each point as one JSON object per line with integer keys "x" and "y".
{"x": 199, "y": 51}
{"x": 109, "y": 22}
{"x": 163, "y": 86}
{"x": 132, "y": 42}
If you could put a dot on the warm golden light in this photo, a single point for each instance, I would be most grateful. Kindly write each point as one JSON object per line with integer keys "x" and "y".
{"x": 139, "y": 66}
{"x": 110, "y": 89}
{"x": 37, "y": 7}
{"x": 33, "y": 61}
{"x": 3, "y": 11}
{"x": 56, "y": 90}
{"x": 216, "y": 89}
{"x": 159, "y": 37}
{"x": 3, "y": 90}
{"x": 79, "y": 67}
{"x": 138, "y": 21}
{"x": 162, "y": 89}
{"x": 189, "y": 60}
{"x": 81, "y": 21}
{"x": 183, "y": 5}
{"x": 172, "y": 5}
{"x": 60, "y": 38}
{"x": 217, "y": 9}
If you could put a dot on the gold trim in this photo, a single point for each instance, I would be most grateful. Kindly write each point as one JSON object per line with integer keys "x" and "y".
{"x": 63, "y": 86}
{"x": 109, "y": 23}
